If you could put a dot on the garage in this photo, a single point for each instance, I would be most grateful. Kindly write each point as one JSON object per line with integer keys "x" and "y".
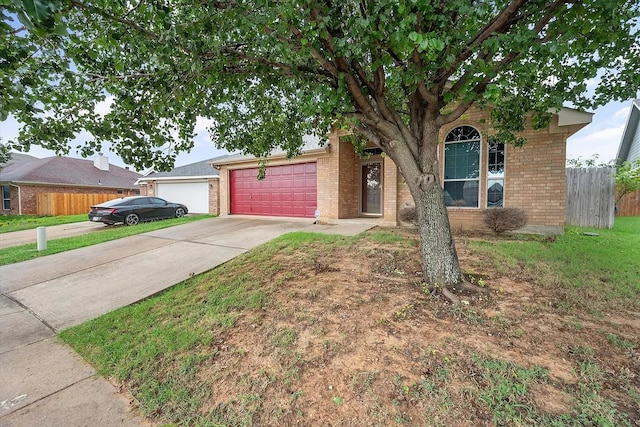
{"x": 195, "y": 195}
{"x": 287, "y": 190}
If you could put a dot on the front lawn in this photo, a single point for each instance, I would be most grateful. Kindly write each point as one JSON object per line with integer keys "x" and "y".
{"x": 325, "y": 330}
{"x": 29, "y": 251}
{"x": 9, "y": 223}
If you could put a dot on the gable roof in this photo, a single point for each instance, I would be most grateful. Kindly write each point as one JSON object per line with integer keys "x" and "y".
{"x": 201, "y": 169}
{"x": 67, "y": 171}
{"x": 311, "y": 145}
{"x": 630, "y": 144}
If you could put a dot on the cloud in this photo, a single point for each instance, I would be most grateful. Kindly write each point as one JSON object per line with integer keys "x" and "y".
{"x": 603, "y": 142}
{"x": 622, "y": 113}
{"x": 103, "y": 108}
{"x": 202, "y": 125}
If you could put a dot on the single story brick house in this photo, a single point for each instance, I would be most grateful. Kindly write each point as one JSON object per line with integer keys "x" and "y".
{"x": 194, "y": 185}
{"x": 334, "y": 182}
{"x": 24, "y": 177}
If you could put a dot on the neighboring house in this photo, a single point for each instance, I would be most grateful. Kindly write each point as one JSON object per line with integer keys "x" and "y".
{"x": 337, "y": 183}
{"x": 24, "y": 177}
{"x": 629, "y": 151}
{"x": 630, "y": 144}
{"x": 194, "y": 185}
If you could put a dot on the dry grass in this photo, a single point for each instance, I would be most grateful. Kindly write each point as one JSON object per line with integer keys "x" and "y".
{"x": 316, "y": 330}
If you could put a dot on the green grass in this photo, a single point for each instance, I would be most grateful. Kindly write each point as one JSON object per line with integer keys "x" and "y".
{"x": 29, "y": 251}
{"x": 9, "y": 223}
{"x": 157, "y": 345}
{"x": 604, "y": 266}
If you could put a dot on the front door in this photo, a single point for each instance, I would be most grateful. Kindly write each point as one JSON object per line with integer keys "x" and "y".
{"x": 371, "y": 184}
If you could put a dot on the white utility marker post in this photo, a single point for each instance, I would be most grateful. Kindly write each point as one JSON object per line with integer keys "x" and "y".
{"x": 42, "y": 238}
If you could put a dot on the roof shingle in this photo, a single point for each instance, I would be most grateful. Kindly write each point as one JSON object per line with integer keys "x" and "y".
{"x": 67, "y": 171}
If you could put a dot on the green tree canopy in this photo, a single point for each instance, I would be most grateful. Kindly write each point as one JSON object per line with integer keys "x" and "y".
{"x": 268, "y": 72}
{"x": 627, "y": 178}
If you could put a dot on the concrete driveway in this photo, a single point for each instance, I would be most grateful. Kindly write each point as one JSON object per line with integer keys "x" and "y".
{"x": 43, "y": 382}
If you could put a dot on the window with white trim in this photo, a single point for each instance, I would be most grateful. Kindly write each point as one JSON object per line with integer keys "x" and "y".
{"x": 6, "y": 197}
{"x": 462, "y": 167}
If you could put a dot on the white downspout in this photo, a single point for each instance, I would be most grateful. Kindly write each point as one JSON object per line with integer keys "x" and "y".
{"x": 19, "y": 198}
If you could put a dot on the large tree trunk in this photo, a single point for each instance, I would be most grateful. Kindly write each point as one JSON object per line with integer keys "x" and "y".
{"x": 420, "y": 168}
{"x": 439, "y": 256}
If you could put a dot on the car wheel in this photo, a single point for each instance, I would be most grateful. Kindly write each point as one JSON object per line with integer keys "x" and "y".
{"x": 179, "y": 213}
{"x": 131, "y": 219}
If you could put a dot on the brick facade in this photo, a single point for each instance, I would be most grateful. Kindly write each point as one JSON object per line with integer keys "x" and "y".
{"x": 534, "y": 178}
{"x": 214, "y": 196}
{"x": 27, "y": 197}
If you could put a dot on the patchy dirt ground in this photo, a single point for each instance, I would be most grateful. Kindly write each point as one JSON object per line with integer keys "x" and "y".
{"x": 351, "y": 339}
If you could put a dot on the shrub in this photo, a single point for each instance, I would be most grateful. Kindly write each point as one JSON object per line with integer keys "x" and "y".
{"x": 408, "y": 214}
{"x": 505, "y": 219}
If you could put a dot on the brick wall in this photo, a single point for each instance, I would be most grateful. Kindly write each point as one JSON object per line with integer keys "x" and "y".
{"x": 223, "y": 190}
{"x": 29, "y": 196}
{"x": 328, "y": 184}
{"x": 349, "y": 179}
{"x": 214, "y": 196}
{"x": 390, "y": 191}
{"x": 535, "y": 178}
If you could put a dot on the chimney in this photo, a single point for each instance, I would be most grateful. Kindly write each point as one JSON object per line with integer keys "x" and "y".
{"x": 101, "y": 162}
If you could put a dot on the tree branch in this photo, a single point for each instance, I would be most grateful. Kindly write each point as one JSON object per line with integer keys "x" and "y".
{"x": 498, "y": 24}
{"x": 111, "y": 17}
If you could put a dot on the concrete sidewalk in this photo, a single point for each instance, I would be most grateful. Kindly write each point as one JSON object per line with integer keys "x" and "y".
{"x": 53, "y": 232}
{"x": 43, "y": 382}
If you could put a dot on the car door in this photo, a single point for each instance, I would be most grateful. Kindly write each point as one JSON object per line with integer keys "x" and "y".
{"x": 144, "y": 209}
{"x": 161, "y": 208}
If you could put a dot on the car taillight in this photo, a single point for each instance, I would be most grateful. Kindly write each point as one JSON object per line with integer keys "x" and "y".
{"x": 107, "y": 211}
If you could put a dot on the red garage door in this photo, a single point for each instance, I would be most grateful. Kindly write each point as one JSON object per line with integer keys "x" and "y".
{"x": 288, "y": 190}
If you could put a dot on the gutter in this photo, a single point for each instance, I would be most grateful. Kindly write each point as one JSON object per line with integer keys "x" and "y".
{"x": 278, "y": 156}
{"x": 176, "y": 178}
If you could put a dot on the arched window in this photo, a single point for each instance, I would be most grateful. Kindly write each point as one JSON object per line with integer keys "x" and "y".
{"x": 462, "y": 167}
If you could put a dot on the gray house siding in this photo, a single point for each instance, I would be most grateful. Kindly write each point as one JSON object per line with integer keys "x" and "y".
{"x": 630, "y": 144}
{"x": 634, "y": 150}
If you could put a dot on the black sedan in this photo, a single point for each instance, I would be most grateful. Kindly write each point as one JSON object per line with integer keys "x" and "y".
{"x": 132, "y": 210}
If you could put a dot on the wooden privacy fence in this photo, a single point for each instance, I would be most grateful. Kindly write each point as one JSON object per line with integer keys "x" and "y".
{"x": 70, "y": 203}
{"x": 629, "y": 205}
{"x": 591, "y": 194}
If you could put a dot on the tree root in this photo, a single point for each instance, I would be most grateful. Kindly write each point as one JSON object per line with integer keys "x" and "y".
{"x": 453, "y": 299}
{"x": 470, "y": 287}
{"x": 462, "y": 286}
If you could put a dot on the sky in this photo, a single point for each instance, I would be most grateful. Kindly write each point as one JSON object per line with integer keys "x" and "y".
{"x": 601, "y": 138}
